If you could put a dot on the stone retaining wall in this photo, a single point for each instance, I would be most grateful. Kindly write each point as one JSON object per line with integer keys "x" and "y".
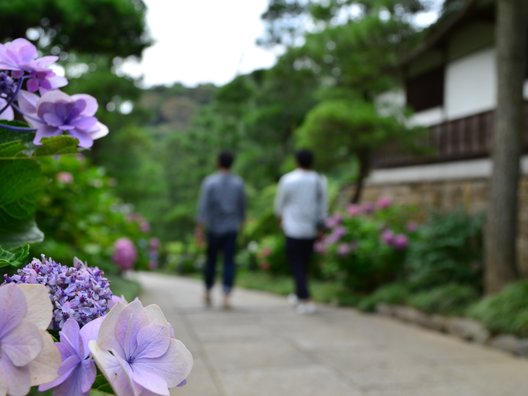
{"x": 447, "y": 195}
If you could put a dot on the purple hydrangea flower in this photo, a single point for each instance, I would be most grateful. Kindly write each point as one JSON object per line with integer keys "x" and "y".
{"x": 56, "y": 113}
{"x": 367, "y": 207}
{"x": 28, "y": 356}
{"x": 412, "y": 226}
{"x": 20, "y": 57}
{"x": 333, "y": 221}
{"x": 138, "y": 353}
{"x": 354, "y": 210}
{"x": 125, "y": 254}
{"x": 388, "y": 237}
{"x": 383, "y": 203}
{"x": 77, "y": 371}
{"x": 344, "y": 249}
{"x": 400, "y": 241}
{"x": 79, "y": 292}
{"x": 320, "y": 247}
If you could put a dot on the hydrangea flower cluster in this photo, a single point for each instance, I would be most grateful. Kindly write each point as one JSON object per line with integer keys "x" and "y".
{"x": 125, "y": 254}
{"x": 343, "y": 236}
{"x": 79, "y": 292}
{"x": 398, "y": 241}
{"x": 22, "y": 74}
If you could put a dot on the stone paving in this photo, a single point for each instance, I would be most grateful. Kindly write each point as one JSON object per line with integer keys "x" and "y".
{"x": 262, "y": 348}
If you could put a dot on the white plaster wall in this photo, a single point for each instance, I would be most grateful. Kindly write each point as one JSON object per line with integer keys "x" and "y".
{"x": 470, "y": 169}
{"x": 470, "y": 84}
{"x": 429, "y": 117}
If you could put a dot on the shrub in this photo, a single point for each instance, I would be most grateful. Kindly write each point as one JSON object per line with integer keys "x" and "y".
{"x": 449, "y": 299}
{"x": 80, "y": 212}
{"x": 506, "y": 311}
{"x": 394, "y": 293}
{"x": 447, "y": 248}
{"x": 183, "y": 257}
{"x": 271, "y": 255}
{"x": 366, "y": 246}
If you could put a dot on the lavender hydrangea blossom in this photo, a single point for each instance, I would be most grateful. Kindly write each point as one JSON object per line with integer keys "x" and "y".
{"x": 77, "y": 371}
{"x": 79, "y": 292}
{"x": 138, "y": 353}
{"x": 56, "y": 113}
{"x": 21, "y": 57}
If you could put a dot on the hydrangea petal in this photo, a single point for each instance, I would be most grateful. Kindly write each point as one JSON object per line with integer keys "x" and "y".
{"x": 23, "y": 344}
{"x": 13, "y": 308}
{"x": 152, "y": 341}
{"x": 107, "y": 339}
{"x": 27, "y": 102}
{"x": 148, "y": 379}
{"x": 90, "y": 103}
{"x": 85, "y": 141}
{"x": 68, "y": 365}
{"x": 131, "y": 320}
{"x": 90, "y": 331}
{"x": 16, "y": 379}
{"x": 85, "y": 123}
{"x": 53, "y": 119}
{"x": 8, "y": 114}
{"x": 39, "y": 307}
{"x": 70, "y": 335}
{"x": 45, "y": 367}
{"x": 173, "y": 367}
{"x": 115, "y": 370}
{"x": 88, "y": 375}
{"x": 155, "y": 314}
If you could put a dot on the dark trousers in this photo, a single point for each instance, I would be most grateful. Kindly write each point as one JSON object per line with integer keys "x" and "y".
{"x": 299, "y": 254}
{"x": 226, "y": 244}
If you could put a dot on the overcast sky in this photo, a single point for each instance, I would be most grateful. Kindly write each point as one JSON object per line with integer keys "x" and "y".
{"x": 200, "y": 41}
{"x": 204, "y": 41}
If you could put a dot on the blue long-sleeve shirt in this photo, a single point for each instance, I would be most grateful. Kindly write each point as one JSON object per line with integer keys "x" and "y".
{"x": 222, "y": 203}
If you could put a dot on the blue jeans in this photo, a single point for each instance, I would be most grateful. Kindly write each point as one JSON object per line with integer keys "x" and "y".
{"x": 226, "y": 244}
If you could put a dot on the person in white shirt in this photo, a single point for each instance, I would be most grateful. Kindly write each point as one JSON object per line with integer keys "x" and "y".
{"x": 301, "y": 206}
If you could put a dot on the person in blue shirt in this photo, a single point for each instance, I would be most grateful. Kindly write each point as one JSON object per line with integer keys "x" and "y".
{"x": 221, "y": 213}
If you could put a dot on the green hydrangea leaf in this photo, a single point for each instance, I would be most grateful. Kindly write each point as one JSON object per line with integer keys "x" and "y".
{"x": 7, "y": 135}
{"x": 63, "y": 144}
{"x": 14, "y": 258}
{"x": 22, "y": 184}
{"x": 11, "y": 149}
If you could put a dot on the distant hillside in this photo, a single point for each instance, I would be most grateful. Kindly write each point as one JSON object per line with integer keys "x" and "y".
{"x": 174, "y": 107}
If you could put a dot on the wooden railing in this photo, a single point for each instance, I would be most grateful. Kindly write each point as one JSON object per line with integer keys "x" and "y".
{"x": 463, "y": 138}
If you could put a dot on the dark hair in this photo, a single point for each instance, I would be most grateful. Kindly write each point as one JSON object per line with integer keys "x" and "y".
{"x": 225, "y": 159}
{"x": 305, "y": 158}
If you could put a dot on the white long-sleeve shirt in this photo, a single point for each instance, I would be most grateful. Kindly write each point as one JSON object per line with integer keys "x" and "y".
{"x": 301, "y": 202}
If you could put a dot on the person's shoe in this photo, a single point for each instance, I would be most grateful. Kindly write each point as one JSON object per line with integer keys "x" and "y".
{"x": 306, "y": 308}
{"x": 207, "y": 299}
{"x": 227, "y": 303}
{"x": 292, "y": 299}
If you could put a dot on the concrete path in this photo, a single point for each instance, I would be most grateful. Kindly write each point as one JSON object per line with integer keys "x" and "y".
{"x": 262, "y": 348}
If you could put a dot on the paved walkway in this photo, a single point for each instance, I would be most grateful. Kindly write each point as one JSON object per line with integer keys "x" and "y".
{"x": 262, "y": 348}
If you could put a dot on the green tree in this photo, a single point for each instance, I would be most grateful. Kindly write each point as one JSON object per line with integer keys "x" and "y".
{"x": 339, "y": 130}
{"x": 115, "y": 28}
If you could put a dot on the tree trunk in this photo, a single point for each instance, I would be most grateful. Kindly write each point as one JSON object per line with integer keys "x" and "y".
{"x": 501, "y": 225}
{"x": 364, "y": 168}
